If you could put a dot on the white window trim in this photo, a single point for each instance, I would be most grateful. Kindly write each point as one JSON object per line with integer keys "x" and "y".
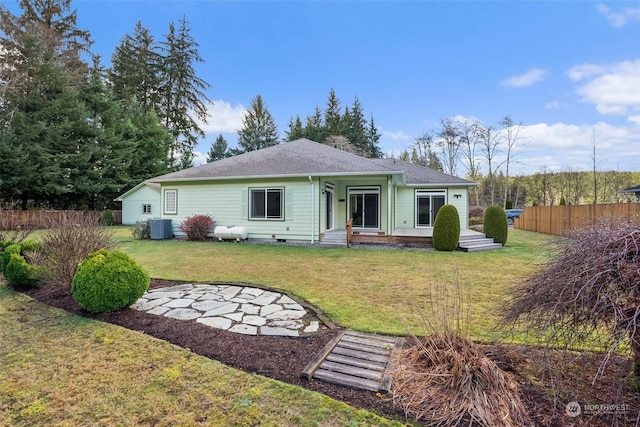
{"x": 173, "y": 211}
{"x": 266, "y": 190}
{"x": 426, "y": 192}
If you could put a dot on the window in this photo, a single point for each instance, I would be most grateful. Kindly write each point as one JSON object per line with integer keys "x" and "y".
{"x": 146, "y": 209}
{"x": 170, "y": 201}
{"x": 266, "y": 203}
{"x": 428, "y": 203}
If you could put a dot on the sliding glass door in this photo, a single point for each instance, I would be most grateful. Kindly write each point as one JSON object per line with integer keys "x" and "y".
{"x": 428, "y": 203}
{"x": 364, "y": 207}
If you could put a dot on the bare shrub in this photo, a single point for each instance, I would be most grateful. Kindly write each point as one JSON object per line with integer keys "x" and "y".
{"x": 587, "y": 292}
{"x": 444, "y": 379}
{"x": 67, "y": 243}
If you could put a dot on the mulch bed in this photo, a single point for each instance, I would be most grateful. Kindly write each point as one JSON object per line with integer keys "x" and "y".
{"x": 284, "y": 359}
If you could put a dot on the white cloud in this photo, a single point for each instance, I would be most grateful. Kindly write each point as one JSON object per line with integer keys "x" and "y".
{"x": 396, "y": 136}
{"x": 634, "y": 119}
{"x": 532, "y": 76}
{"x": 619, "y": 19}
{"x": 224, "y": 117}
{"x": 584, "y": 71}
{"x": 613, "y": 89}
{"x": 560, "y": 146}
{"x": 553, "y": 105}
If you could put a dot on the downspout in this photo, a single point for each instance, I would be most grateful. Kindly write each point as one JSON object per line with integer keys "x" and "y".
{"x": 313, "y": 209}
{"x": 389, "y": 203}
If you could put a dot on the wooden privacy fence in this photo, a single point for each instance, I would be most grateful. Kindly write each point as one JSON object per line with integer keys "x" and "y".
{"x": 13, "y": 219}
{"x": 558, "y": 219}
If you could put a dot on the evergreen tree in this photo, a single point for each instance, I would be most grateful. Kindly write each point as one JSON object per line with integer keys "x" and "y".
{"x": 258, "y": 127}
{"x": 356, "y": 132}
{"x": 295, "y": 129}
{"x": 219, "y": 150}
{"x": 332, "y": 118}
{"x": 314, "y": 128}
{"x": 373, "y": 139}
{"x": 136, "y": 68}
{"x": 182, "y": 98}
{"x": 11, "y": 166}
{"x": 51, "y": 126}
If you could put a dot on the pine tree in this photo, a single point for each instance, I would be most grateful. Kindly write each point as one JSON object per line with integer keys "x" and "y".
{"x": 314, "y": 128}
{"x": 182, "y": 98}
{"x": 356, "y": 132}
{"x": 219, "y": 150}
{"x": 295, "y": 129}
{"x": 258, "y": 127}
{"x": 332, "y": 118}
{"x": 136, "y": 68}
{"x": 373, "y": 139}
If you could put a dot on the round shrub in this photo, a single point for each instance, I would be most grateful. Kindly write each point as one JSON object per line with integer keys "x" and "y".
{"x": 108, "y": 281}
{"x": 495, "y": 224}
{"x": 21, "y": 274}
{"x": 13, "y": 248}
{"x": 446, "y": 229}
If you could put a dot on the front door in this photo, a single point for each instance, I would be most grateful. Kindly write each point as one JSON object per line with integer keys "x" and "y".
{"x": 364, "y": 207}
{"x": 428, "y": 203}
{"x": 328, "y": 200}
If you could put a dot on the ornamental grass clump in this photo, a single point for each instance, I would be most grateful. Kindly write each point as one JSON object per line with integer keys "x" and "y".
{"x": 108, "y": 281}
{"x": 444, "y": 378}
{"x": 446, "y": 229}
{"x": 197, "y": 227}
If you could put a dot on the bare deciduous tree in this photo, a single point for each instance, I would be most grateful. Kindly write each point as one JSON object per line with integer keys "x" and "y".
{"x": 448, "y": 140}
{"x": 511, "y": 136}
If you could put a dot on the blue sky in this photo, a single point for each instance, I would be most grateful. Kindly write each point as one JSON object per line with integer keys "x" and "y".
{"x": 568, "y": 70}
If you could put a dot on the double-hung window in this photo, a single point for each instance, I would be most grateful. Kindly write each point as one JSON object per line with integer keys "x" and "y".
{"x": 266, "y": 203}
{"x": 146, "y": 209}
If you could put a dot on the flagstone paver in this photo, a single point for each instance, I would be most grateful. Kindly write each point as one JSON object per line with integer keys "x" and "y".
{"x": 240, "y": 309}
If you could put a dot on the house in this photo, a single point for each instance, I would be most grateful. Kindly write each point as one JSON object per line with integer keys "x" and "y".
{"x": 305, "y": 191}
{"x": 140, "y": 203}
{"x": 633, "y": 190}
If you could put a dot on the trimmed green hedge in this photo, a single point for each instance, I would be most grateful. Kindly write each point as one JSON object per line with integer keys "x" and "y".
{"x": 446, "y": 229}
{"x": 21, "y": 274}
{"x": 108, "y": 281}
{"x": 495, "y": 224}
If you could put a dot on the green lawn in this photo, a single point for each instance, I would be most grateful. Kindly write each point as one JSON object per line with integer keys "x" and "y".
{"x": 362, "y": 289}
{"x": 62, "y": 369}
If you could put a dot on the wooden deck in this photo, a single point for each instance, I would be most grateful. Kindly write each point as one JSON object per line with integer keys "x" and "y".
{"x": 357, "y": 360}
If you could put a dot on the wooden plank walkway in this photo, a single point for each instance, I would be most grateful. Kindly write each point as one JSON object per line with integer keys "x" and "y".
{"x": 357, "y": 360}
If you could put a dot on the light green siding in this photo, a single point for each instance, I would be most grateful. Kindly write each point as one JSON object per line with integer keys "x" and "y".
{"x": 227, "y": 203}
{"x": 405, "y": 210}
{"x": 133, "y": 202}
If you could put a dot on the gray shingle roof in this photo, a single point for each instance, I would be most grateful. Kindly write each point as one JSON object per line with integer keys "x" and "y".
{"x": 304, "y": 157}
{"x": 416, "y": 174}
